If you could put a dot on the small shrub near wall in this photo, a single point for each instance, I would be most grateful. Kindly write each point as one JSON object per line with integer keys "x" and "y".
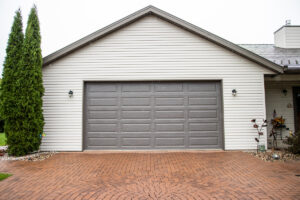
{"x": 294, "y": 142}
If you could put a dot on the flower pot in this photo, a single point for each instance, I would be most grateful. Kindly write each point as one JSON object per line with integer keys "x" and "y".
{"x": 261, "y": 148}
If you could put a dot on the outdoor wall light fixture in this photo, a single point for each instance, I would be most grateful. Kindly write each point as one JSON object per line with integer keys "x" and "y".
{"x": 70, "y": 93}
{"x": 284, "y": 91}
{"x": 234, "y": 92}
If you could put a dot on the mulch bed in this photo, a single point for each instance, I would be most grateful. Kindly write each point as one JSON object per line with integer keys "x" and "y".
{"x": 37, "y": 156}
{"x": 283, "y": 156}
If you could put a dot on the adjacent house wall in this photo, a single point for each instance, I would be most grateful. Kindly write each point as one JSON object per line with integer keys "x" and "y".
{"x": 283, "y": 104}
{"x": 151, "y": 49}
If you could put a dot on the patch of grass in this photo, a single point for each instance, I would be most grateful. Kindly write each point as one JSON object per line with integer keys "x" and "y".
{"x": 2, "y": 139}
{"x": 4, "y": 176}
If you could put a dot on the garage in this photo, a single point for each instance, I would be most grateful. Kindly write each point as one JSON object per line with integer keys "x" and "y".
{"x": 153, "y": 81}
{"x": 153, "y": 115}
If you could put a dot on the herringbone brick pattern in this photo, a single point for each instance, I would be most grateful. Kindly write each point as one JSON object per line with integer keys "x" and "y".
{"x": 172, "y": 175}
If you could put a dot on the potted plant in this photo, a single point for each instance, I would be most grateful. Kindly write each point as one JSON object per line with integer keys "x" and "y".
{"x": 259, "y": 128}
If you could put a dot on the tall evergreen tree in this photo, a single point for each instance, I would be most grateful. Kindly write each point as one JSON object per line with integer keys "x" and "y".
{"x": 30, "y": 86}
{"x": 10, "y": 75}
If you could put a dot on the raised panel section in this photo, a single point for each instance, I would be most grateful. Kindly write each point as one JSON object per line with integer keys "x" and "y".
{"x": 135, "y": 127}
{"x": 203, "y": 114}
{"x": 102, "y": 127}
{"x": 138, "y": 114}
{"x": 103, "y": 142}
{"x": 102, "y": 114}
{"x": 169, "y": 127}
{"x": 136, "y": 142}
{"x": 202, "y": 101}
{"x": 166, "y": 87}
{"x": 136, "y": 88}
{"x": 138, "y": 101}
{"x": 169, "y": 114}
{"x": 170, "y": 142}
{"x": 204, "y": 141}
{"x": 169, "y": 101}
{"x": 103, "y": 102}
{"x": 203, "y": 126}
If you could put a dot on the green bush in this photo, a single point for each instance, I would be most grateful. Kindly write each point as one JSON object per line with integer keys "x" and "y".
{"x": 9, "y": 95}
{"x": 22, "y": 87}
{"x": 2, "y": 139}
{"x": 30, "y": 89}
{"x": 294, "y": 142}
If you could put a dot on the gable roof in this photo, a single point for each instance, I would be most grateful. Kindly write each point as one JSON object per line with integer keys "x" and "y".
{"x": 151, "y": 10}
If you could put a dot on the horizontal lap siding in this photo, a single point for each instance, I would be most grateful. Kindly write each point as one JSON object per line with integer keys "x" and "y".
{"x": 151, "y": 49}
{"x": 292, "y": 37}
{"x": 275, "y": 99}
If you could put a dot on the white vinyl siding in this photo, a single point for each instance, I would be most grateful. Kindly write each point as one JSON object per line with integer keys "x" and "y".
{"x": 288, "y": 37}
{"x": 283, "y": 104}
{"x": 151, "y": 49}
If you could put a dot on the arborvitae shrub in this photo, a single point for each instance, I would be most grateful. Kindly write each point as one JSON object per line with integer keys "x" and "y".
{"x": 22, "y": 87}
{"x": 9, "y": 93}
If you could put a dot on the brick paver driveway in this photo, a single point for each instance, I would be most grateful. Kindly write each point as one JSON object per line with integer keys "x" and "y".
{"x": 173, "y": 175}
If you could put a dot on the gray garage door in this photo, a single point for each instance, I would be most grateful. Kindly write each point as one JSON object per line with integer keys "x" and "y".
{"x": 152, "y": 115}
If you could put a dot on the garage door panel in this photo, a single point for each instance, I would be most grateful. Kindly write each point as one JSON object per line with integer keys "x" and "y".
{"x": 135, "y": 121}
{"x": 203, "y": 114}
{"x": 102, "y": 135}
{"x": 135, "y": 134}
{"x": 102, "y": 121}
{"x": 103, "y": 102}
{"x": 152, "y": 115}
{"x": 101, "y": 108}
{"x": 103, "y": 141}
{"x": 104, "y": 87}
{"x": 135, "y": 101}
{"x": 203, "y": 141}
{"x": 203, "y": 87}
{"x": 112, "y": 114}
{"x": 169, "y": 127}
{"x": 204, "y": 133}
{"x": 170, "y": 134}
{"x": 167, "y": 114}
{"x": 169, "y": 101}
{"x": 202, "y": 101}
{"x": 102, "y": 127}
{"x": 166, "y": 87}
{"x": 133, "y": 87}
{"x": 136, "y": 114}
{"x": 203, "y": 126}
{"x": 135, "y": 127}
{"x": 170, "y": 142}
{"x": 146, "y": 142}
{"x": 170, "y": 108}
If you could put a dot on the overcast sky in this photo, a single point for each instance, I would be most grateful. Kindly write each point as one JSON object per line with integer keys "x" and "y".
{"x": 65, "y": 21}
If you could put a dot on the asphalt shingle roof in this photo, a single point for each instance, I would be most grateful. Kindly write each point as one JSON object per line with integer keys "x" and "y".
{"x": 277, "y": 55}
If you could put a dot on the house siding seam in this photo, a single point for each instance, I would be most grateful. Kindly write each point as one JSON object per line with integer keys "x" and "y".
{"x": 151, "y": 49}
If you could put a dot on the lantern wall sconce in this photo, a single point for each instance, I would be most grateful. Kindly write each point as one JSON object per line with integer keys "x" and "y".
{"x": 284, "y": 91}
{"x": 70, "y": 93}
{"x": 234, "y": 92}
